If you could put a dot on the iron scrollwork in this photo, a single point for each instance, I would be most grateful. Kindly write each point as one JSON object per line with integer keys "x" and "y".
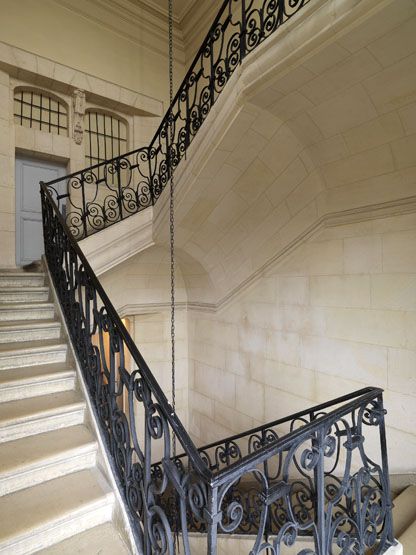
{"x": 106, "y": 193}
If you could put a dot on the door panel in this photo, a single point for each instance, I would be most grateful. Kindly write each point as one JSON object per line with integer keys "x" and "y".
{"x": 29, "y": 236}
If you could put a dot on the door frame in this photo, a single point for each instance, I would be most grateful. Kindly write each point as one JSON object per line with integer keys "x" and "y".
{"x": 61, "y": 166}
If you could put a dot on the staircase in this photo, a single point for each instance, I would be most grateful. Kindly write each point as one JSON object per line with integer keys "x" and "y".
{"x": 53, "y": 497}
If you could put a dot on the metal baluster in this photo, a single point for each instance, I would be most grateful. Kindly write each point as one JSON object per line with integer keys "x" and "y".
{"x": 319, "y": 475}
{"x": 212, "y": 517}
{"x": 243, "y": 31}
{"x": 84, "y": 207}
{"x": 120, "y": 190}
{"x": 386, "y": 475}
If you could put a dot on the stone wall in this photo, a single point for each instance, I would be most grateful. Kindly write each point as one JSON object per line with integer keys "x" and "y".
{"x": 337, "y": 314}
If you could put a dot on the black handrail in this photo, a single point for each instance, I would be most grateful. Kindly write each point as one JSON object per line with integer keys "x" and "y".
{"x": 265, "y": 481}
{"x": 106, "y": 193}
{"x": 206, "y": 489}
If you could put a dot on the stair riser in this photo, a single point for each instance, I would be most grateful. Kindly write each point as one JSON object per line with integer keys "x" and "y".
{"x": 40, "y": 539}
{"x": 41, "y": 425}
{"x": 33, "y": 359}
{"x": 23, "y": 296}
{"x": 72, "y": 462}
{"x": 14, "y": 336}
{"x": 27, "y": 314}
{"x": 24, "y": 281}
{"x": 36, "y": 389}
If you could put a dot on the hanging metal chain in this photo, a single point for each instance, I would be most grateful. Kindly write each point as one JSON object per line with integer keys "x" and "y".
{"x": 172, "y": 219}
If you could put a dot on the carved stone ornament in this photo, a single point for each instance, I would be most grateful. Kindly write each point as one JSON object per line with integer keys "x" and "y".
{"x": 78, "y": 100}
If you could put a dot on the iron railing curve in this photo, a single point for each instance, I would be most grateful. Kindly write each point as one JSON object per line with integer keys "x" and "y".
{"x": 103, "y": 194}
{"x": 307, "y": 474}
{"x": 241, "y": 483}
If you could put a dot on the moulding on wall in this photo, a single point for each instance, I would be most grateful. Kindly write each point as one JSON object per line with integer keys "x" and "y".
{"x": 59, "y": 78}
{"x": 140, "y": 22}
{"x": 117, "y": 243}
{"x": 355, "y": 215}
{"x": 343, "y": 217}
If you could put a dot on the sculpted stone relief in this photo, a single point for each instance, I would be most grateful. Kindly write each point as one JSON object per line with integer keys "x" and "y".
{"x": 78, "y": 101}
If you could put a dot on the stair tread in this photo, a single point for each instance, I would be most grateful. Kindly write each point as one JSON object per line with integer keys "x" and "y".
{"x": 100, "y": 540}
{"x": 26, "y": 305}
{"x": 408, "y": 539}
{"x": 19, "y": 273}
{"x": 35, "y": 373}
{"x": 26, "y": 409}
{"x": 404, "y": 510}
{"x": 23, "y": 288}
{"x": 37, "y": 507}
{"x": 35, "y": 344}
{"x": 31, "y": 451}
{"x": 24, "y": 324}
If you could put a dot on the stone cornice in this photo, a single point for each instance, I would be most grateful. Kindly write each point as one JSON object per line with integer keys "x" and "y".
{"x": 360, "y": 214}
{"x": 127, "y": 18}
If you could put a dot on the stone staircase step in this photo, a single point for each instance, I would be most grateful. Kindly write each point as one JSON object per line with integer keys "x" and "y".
{"x": 408, "y": 539}
{"x": 32, "y": 381}
{"x": 23, "y": 294}
{"x": 35, "y": 459}
{"x": 41, "y": 414}
{"x": 404, "y": 511}
{"x": 102, "y": 540}
{"x": 15, "y": 331}
{"x": 43, "y": 515}
{"x": 21, "y": 279}
{"x": 32, "y": 353}
{"x": 26, "y": 311}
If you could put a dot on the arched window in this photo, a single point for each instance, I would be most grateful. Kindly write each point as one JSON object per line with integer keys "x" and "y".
{"x": 105, "y": 136}
{"x": 39, "y": 110}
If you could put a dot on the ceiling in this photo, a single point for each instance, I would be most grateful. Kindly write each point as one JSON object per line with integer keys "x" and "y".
{"x": 180, "y": 7}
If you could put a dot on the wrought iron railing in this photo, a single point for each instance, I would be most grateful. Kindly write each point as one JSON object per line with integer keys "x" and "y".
{"x": 101, "y": 195}
{"x": 320, "y": 474}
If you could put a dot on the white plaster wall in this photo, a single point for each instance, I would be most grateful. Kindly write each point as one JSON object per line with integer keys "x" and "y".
{"x": 336, "y": 315}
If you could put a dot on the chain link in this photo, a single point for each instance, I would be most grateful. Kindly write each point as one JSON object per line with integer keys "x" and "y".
{"x": 172, "y": 220}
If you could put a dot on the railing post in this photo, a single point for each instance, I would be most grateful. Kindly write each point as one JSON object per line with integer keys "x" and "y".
{"x": 243, "y": 31}
{"x": 319, "y": 474}
{"x": 212, "y": 516}
{"x": 84, "y": 208}
{"x": 119, "y": 189}
{"x": 386, "y": 475}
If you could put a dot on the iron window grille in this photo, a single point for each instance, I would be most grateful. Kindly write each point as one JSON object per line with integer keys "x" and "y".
{"x": 105, "y": 137}
{"x": 41, "y": 111}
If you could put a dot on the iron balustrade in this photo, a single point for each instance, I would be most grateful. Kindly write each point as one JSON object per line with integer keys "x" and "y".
{"x": 320, "y": 474}
{"x": 103, "y": 194}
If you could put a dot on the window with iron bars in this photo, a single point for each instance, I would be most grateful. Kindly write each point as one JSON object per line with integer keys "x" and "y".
{"x": 41, "y": 111}
{"x": 105, "y": 137}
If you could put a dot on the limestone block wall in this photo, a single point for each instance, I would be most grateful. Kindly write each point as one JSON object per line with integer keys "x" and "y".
{"x": 140, "y": 290}
{"x": 337, "y": 314}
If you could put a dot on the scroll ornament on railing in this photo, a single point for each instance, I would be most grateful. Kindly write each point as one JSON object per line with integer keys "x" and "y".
{"x": 317, "y": 480}
{"x": 109, "y": 192}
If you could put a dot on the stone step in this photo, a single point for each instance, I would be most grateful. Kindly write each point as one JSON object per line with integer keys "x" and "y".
{"x": 408, "y": 539}
{"x": 41, "y": 414}
{"x": 32, "y": 353}
{"x": 32, "y": 381}
{"x": 35, "y": 459}
{"x": 40, "y": 516}
{"x": 21, "y": 279}
{"x": 23, "y": 294}
{"x": 15, "y": 331}
{"x": 26, "y": 311}
{"x": 102, "y": 540}
{"x": 404, "y": 510}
